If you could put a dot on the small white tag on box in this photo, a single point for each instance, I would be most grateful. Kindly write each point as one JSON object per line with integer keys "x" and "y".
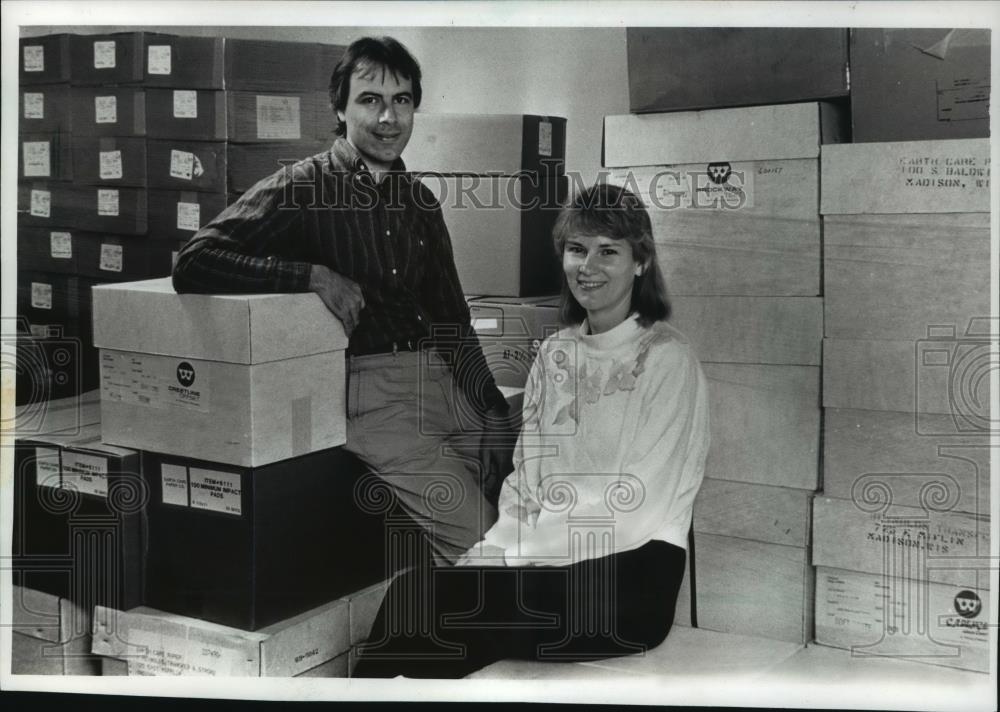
{"x": 544, "y": 138}
{"x": 36, "y": 159}
{"x": 41, "y": 203}
{"x": 61, "y": 245}
{"x": 185, "y": 104}
{"x": 188, "y": 216}
{"x": 278, "y": 117}
{"x": 181, "y": 164}
{"x": 111, "y": 258}
{"x": 158, "y": 59}
{"x": 104, "y": 55}
{"x": 111, "y": 165}
{"x": 107, "y": 202}
{"x": 34, "y": 58}
{"x": 106, "y": 109}
{"x": 41, "y": 295}
{"x": 34, "y": 105}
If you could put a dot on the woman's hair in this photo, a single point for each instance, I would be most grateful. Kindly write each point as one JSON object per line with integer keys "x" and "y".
{"x": 366, "y": 52}
{"x": 611, "y": 211}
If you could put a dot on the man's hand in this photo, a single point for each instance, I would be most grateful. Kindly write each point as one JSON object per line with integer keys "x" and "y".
{"x": 341, "y": 295}
{"x": 483, "y": 555}
{"x": 496, "y": 450}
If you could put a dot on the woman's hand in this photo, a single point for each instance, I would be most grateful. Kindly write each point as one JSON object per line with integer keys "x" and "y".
{"x": 483, "y": 555}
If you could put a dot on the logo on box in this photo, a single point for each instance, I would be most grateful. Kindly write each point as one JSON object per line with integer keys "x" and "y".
{"x": 719, "y": 173}
{"x": 185, "y": 374}
{"x": 968, "y": 604}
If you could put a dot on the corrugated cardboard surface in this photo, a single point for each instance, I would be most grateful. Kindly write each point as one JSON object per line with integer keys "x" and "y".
{"x": 106, "y": 59}
{"x": 46, "y": 156}
{"x": 127, "y": 118}
{"x": 44, "y": 108}
{"x": 50, "y": 60}
{"x": 775, "y": 515}
{"x": 127, "y": 167}
{"x": 183, "y": 62}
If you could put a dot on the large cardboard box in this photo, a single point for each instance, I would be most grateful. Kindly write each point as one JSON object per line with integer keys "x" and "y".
{"x": 511, "y": 331}
{"x": 44, "y": 157}
{"x": 44, "y": 299}
{"x": 250, "y": 546}
{"x": 107, "y": 59}
{"x": 107, "y": 160}
{"x": 501, "y": 232}
{"x": 271, "y": 65}
{"x": 187, "y": 114}
{"x": 733, "y": 194}
{"x": 79, "y": 527}
{"x": 115, "y": 258}
{"x": 871, "y": 615}
{"x": 874, "y": 535}
{"x": 238, "y": 379}
{"x": 153, "y": 642}
{"x": 57, "y": 415}
{"x": 682, "y": 68}
{"x": 176, "y": 164}
{"x": 915, "y": 84}
{"x": 44, "y": 109}
{"x": 774, "y": 515}
{"x": 178, "y": 214}
{"x": 44, "y": 60}
{"x": 184, "y": 62}
{"x": 50, "y": 636}
{"x": 518, "y": 143}
{"x": 255, "y": 117}
{"x": 41, "y": 250}
{"x": 54, "y": 204}
{"x": 906, "y": 231}
{"x": 252, "y": 162}
{"x": 108, "y": 111}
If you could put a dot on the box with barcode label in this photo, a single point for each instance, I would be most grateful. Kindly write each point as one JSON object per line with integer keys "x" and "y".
{"x": 107, "y": 160}
{"x": 119, "y": 211}
{"x": 50, "y": 635}
{"x": 187, "y": 114}
{"x": 78, "y": 523}
{"x": 108, "y": 111}
{"x": 453, "y": 143}
{"x": 177, "y": 164}
{"x": 44, "y": 109}
{"x": 183, "y": 62}
{"x": 117, "y": 258}
{"x": 107, "y": 59}
{"x": 44, "y": 60}
{"x": 257, "y": 117}
{"x": 178, "y": 214}
{"x": 49, "y": 250}
{"x": 44, "y": 157}
{"x": 272, "y": 65}
{"x": 44, "y": 298}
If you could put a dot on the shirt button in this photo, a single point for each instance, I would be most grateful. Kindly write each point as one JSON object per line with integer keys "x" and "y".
{"x": 419, "y": 318}
{"x": 421, "y": 243}
{"x": 387, "y": 232}
{"x": 394, "y": 270}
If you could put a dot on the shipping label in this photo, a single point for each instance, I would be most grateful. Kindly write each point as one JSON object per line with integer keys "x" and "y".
{"x": 36, "y": 159}
{"x": 185, "y": 104}
{"x": 107, "y": 201}
{"x": 111, "y": 258}
{"x": 34, "y": 105}
{"x": 41, "y": 203}
{"x": 110, "y": 165}
{"x": 106, "y": 109}
{"x": 188, "y": 216}
{"x": 34, "y": 58}
{"x": 545, "y": 138}
{"x": 155, "y": 381}
{"x": 216, "y": 491}
{"x": 278, "y": 117}
{"x": 104, "y": 54}
{"x": 168, "y": 654}
{"x": 965, "y": 99}
{"x": 181, "y": 164}
{"x": 87, "y": 474}
{"x": 942, "y": 173}
{"x": 713, "y": 186}
{"x": 61, "y": 245}
{"x": 158, "y": 59}
{"x": 47, "y": 470}
{"x": 175, "y": 484}
{"x": 41, "y": 295}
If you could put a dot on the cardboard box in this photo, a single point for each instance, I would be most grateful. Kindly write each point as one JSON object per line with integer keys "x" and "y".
{"x": 178, "y": 214}
{"x": 41, "y": 250}
{"x": 271, "y": 65}
{"x": 862, "y": 447}
{"x": 58, "y": 364}
{"x": 119, "y": 211}
{"x": 765, "y": 424}
{"x": 107, "y": 59}
{"x": 59, "y": 415}
{"x": 52, "y": 299}
{"x": 78, "y": 524}
{"x": 108, "y": 111}
{"x": 176, "y": 164}
{"x": 44, "y": 60}
{"x": 239, "y": 379}
{"x": 774, "y": 515}
{"x": 153, "y": 642}
{"x": 733, "y": 194}
{"x": 753, "y": 588}
{"x": 682, "y": 68}
{"x": 518, "y": 144}
{"x": 44, "y": 157}
{"x": 44, "y": 109}
{"x": 255, "y": 117}
{"x": 759, "y": 330}
{"x": 501, "y": 232}
{"x": 184, "y": 62}
{"x": 874, "y": 535}
{"x": 187, "y": 114}
{"x": 929, "y": 623}
{"x": 113, "y": 258}
{"x": 248, "y": 547}
{"x": 107, "y": 160}
{"x": 50, "y": 636}
{"x": 511, "y": 331}
{"x": 250, "y": 163}
{"x": 914, "y": 84}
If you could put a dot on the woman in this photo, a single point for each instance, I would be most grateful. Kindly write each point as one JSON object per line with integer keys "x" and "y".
{"x": 587, "y": 556}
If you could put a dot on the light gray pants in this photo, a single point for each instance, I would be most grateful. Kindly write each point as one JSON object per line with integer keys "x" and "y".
{"x": 409, "y": 421}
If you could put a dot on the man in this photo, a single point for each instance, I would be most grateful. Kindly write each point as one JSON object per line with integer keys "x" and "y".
{"x": 351, "y": 225}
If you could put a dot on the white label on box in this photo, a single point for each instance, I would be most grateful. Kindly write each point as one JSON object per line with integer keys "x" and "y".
{"x": 111, "y": 165}
{"x": 104, "y": 54}
{"x": 181, "y": 164}
{"x": 544, "y": 138}
{"x": 34, "y": 58}
{"x": 188, "y": 216}
{"x": 175, "y": 484}
{"x": 35, "y": 157}
{"x": 106, "y": 109}
{"x": 34, "y": 105}
{"x": 158, "y": 57}
{"x": 107, "y": 201}
{"x": 41, "y": 203}
{"x": 155, "y": 381}
{"x": 963, "y": 99}
{"x": 485, "y": 324}
{"x": 61, "y": 245}
{"x": 168, "y": 654}
{"x": 216, "y": 491}
{"x": 278, "y": 117}
{"x": 713, "y": 186}
{"x": 47, "y": 467}
{"x": 185, "y": 104}
{"x": 41, "y": 295}
{"x": 87, "y": 474}
{"x": 111, "y": 258}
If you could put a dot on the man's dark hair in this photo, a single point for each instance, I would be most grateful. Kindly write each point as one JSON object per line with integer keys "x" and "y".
{"x": 368, "y": 52}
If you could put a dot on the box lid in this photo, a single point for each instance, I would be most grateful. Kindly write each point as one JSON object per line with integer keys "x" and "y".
{"x": 946, "y": 176}
{"x": 752, "y": 133}
{"x": 150, "y": 317}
